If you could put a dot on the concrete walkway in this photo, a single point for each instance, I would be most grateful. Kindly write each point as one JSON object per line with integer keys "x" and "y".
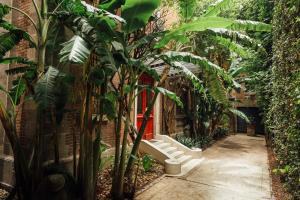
{"x": 235, "y": 168}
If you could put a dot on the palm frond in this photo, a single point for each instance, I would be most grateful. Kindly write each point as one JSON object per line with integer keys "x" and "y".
{"x": 19, "y": 70}
{"x": 76, "y": 50}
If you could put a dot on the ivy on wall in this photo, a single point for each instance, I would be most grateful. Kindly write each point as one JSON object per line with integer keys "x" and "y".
{"x": 283, "y": 118}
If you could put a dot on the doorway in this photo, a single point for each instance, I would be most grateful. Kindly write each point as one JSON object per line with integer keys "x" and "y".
{"x": 143, "y": 100}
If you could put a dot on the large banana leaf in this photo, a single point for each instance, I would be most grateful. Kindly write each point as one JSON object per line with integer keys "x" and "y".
{"x": 137, "y": 13}
{"x": 145, "y": 40}
{"x": 9, "y": 40}
{"x": 232, "y": 46}
{"x": 187, "y": 8}
{"x": 51, "y": 89}
{"x": 248, "y": 25}
{"x": 239, "y": 114}
{"x": 180, "y": 66}
{"x": 111, "y": 5}
{"x": 17, "y": 60}
{"x": 199, "y": 25}
{"x": 170, "y": 95}
{"x": 4, "y": 10}
{"x": 45, "y": 88}
{"x": 235, "y": 36}
{"x": 203, "y": 63}
{"x": 217, "y": 90}
{"x": 76, "y": 50}
{"x": 216, "y": 8}
{"x": 6, "y": 25}
{"x": 205, "y": 23}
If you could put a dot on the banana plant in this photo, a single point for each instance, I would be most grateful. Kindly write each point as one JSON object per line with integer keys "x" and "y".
{"x": 45, "y": 83}
{"x": 211, "y": 20}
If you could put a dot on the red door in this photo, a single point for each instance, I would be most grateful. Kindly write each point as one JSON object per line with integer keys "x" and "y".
{"x": 143, "y": 99}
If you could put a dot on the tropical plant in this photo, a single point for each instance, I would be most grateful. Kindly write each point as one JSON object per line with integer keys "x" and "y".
{"x": 49, "y": 88}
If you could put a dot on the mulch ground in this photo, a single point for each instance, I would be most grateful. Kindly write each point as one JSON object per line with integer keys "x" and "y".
{"x": 3, "y": 194}
{"x": 144, "y": 179}
{"x": 278, "y": 190}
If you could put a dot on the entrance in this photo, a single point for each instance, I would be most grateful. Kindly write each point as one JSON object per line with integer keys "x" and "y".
{"x": 253, "y": 114}
{"x": 144, "y": 99}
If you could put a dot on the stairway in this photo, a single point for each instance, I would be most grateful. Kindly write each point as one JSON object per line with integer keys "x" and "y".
{"x": 177, "y": 158}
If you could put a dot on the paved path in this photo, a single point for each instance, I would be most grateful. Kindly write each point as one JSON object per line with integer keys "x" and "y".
{"x": 235, "y": 168}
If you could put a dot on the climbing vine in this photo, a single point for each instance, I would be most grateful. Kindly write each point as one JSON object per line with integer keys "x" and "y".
{"x": 283, "y": 115}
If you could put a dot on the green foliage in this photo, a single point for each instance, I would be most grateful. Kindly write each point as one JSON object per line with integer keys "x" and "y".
{"x": 187, "y": 8}
{"x": 188, "y": 142}
{"x": 205, "y": 23}
{"x": 283, "y": 113}
{"x": 147, "y": 162}
{"x": 76, "y": 50}
{"x": 4, "y": 10}
{"x": 170, "y": 95}
{"x": 220, "y": 132}
{"x": 137, "y": 13}
{"x": 215, "y": 74}
{"x": 111, "y": 5}
{"x": 50, "y": 90}
{"x": 239, "y": 114}
{"x": 10, "y": 39}
{"x": 216, "y": 8}
{"x": 233, "y": 47}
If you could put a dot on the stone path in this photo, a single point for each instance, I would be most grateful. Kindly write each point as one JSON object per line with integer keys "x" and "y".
{"x": 235, "y": 168}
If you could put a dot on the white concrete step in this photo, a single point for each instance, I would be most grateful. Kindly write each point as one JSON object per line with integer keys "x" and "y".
{"x": 183, "y": 159}
{"x": 177, "y": 158}
{"x": 190, "y": 165}
{"x": 155, "y": 141}
{"x": 170, "y": 150}
{"x": 177, "y": 154}
{"x": 163, "y": 145}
